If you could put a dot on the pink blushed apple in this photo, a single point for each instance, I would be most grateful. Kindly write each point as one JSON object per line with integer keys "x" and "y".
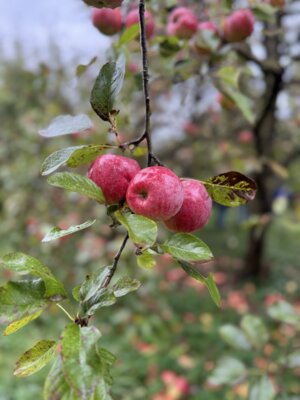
{"x": 113, "y": 173}
{"x": 239, "y": 25}
{"x": 195, "y": 210}
{"x": 134, "y": 18}
{"x": 182, "y": 23}
{"x": 156, "y": 193}
{"x": 107, "y": 21}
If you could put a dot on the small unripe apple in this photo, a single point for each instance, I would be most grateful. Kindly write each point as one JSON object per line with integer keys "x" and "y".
{"x": 155, "y": 192}
{"x": 107, "y": 21}
{"x": 239, "y": 25}
{"x": 113, "y": 173}
{"x": 182, "y": 23}
{"x": 195, "y": 210}
{"x": 133, "y": 18}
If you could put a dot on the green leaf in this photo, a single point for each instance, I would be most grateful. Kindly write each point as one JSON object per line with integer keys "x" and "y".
{"x": 229, "y": 370}
{"x": 125, "y": 285}
{"x": 234, "y": 337}
{"x": 84, "y": 366}
{"x": 78, "y": 184}
{"x": 93, "y": 283}
{"x": 264, "y": 11}
{"x": 57, "y": 233}
{"x": 146, "y": 260}
{"x": 241, "y": 101}
{"x": 99, "y": 3}
{"x": 284, "y": 312}
{"x": 21, "y": 299}
{"x": 229, "y": 75}
{"x": 35, "y": 358}
{"x": 72, "y": 156}
{"x": 129, "y": 34}
{"x": 56, "y": 386}
{"x": 20, "y": 323}
{"x": 87, "y": 154}
{"x": 80, "y": 70}
{"x": 141, "y": 230}
{"x": 231, "y": 189}
{"x": 187, "y": 247}
{"x": 169, "y": 46}
{"x": 66, "y": 125}
{"x": 255, "y": 330}
{"x": 76, "y": 293}
{"x": 92, "y": 293}
{"x": 262, "y": 390}
{"x": 24, "y": 264}
{"x": 207, "y": 39}
{"x": 208, "y": 282}
{"x": 107, "y": 86}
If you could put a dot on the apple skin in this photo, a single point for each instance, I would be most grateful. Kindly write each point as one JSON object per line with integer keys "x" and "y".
{"x": 113, "y": 173}
{"x": 156, "y": 193}
{"x": 107, "y": 21}
{"x": 195, "y": 210}
{"x": 133, "y": 18}
{"x": 239, "y": 25}
{"x": 182, "y": 23}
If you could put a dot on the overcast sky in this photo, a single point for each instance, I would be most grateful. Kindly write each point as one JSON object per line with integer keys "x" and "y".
{"x": 34, "y": 25}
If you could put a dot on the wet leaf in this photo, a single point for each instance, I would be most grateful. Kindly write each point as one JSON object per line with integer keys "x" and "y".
{"x": 66, "y": 125}
{"x": 57, "y": 233}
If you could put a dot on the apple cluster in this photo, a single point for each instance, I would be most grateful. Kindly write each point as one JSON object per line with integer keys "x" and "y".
{"x": 182, "y": 23}
{"x": 155, "y": 192}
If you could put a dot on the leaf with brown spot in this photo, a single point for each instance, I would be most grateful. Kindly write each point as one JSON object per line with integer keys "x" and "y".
{"x": 231, "y": 189}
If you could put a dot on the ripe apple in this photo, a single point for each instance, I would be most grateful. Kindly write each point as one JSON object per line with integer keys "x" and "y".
{"x": 134, "y": 18}
{"x": 239, "y": 25}
{"x": 113, "y": 173}
{"x": 155, "y": 192}
{"x": 195, "y": 210}
{"x": 107, "y": 21}
{"x": 182, "y": 23}
{"x": 245, "y": 136}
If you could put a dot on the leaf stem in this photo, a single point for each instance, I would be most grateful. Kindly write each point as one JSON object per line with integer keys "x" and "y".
{"x": 66, "y": 312}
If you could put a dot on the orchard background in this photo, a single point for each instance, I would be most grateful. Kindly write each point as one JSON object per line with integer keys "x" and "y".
{"x": 225, "y": 107}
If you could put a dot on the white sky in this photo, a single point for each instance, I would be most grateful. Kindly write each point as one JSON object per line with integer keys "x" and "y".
{"x": 35, "y": 22}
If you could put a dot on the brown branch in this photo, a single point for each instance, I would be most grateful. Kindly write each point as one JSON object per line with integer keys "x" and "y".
{"x": 147, "y": 132}
{"x": 114, "y": 266}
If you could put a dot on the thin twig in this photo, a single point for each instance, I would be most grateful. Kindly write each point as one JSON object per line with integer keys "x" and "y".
{"x": 114, "y": 266}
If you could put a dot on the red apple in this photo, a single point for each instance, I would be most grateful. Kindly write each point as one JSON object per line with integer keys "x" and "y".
{"x": 195, "y": 210}
{"x": 107, "y": 21}
{"x": 182, "y": 23}
{"x": 113, "y": 174}
{"x": 155, "y": 192}
{"x": 239, "y": 25}
{"x": 134, "y": 18}
{"x": 245, "y": 137}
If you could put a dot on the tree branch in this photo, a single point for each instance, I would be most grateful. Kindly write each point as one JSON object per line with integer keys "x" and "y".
{"x": 147, "y": 133}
